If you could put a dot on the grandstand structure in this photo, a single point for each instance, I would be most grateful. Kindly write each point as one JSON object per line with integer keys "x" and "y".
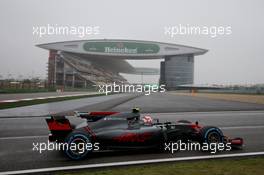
{"x": 84, "y": 63}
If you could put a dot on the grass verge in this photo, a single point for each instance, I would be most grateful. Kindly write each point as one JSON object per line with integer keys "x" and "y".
{"x": 248, "y": 98}
{"x": 41, "y": 101}
{"x": 241, "y": 166}
{"x": 13, "y": 91}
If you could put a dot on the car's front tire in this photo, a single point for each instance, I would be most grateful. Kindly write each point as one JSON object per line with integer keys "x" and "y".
{"x": 211, "y": 135}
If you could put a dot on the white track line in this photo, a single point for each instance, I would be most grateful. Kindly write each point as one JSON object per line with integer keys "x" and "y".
{"x": 101, "y": 165}
{"x": 242, "y": 127}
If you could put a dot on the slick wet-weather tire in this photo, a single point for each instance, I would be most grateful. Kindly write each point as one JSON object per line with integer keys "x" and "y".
{"x": 79, "y": 146}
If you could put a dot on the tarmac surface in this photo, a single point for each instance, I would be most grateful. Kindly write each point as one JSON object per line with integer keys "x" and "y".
{"x": 63, "y": 106}
{"x": 17, "y": 135}
{"x": 170, "y": 102}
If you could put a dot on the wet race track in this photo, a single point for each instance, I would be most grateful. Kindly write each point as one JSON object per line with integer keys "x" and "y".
{"x": 21, "y": 127}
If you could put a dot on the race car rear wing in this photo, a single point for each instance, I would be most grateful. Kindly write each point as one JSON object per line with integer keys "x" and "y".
{"x": 58, "y": 123}
{"x": 59, "y": 127}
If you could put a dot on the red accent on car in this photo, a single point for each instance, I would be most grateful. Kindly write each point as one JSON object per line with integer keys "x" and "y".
{"x": 105, "y": 113}
{"x": 133, "y": 137}
{"x": 237, "y": 141}
{"x": 55, "y": 125}
{"x": 195, "y": 126}
{"x": 90, "y": 132}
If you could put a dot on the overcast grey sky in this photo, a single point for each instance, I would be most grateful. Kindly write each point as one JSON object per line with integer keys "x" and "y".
{"x": 235, "y": 58}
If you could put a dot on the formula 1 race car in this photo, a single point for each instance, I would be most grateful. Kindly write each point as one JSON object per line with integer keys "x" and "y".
{"x": 127, "y": 130}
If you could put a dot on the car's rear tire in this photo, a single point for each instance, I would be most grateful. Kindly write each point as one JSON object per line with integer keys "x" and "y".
{"x": 79, "y": 151}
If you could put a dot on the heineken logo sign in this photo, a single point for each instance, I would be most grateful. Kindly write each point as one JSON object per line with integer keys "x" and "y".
{"x": 120, "y": 50}
{"x": 121, "y": 47}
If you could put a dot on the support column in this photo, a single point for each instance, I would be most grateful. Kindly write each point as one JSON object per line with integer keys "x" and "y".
{"x": 64, "y": 75}
{"x": 178, "y": 70}
{"x": 55, "y": 72}
{"x": 162, "y": 73}
{"x": 51, "y": 68}
{"x": 73, "y": 79}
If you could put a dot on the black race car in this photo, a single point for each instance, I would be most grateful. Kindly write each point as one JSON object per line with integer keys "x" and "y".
{"x": 127, "y": 130}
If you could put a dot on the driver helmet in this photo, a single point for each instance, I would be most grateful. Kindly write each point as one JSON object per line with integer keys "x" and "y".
{"x": 147, "y": 119}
